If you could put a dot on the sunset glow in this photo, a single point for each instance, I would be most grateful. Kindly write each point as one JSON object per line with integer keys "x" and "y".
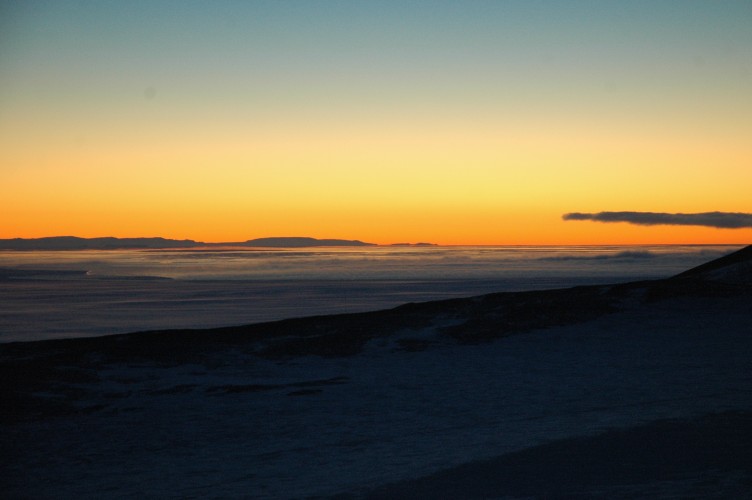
{"x": 451, "y": 122}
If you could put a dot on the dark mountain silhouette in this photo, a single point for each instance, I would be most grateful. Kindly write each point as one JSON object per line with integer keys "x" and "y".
{"x": 106, "y": 243}
{"x": 111, "y": 243}
{"x": 297, "y": 241}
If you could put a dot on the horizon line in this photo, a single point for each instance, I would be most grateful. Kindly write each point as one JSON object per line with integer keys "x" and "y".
{"x": 367, "y": 243}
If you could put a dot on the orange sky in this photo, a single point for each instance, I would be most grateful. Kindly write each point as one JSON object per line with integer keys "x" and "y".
{"x": 453, "y": 131}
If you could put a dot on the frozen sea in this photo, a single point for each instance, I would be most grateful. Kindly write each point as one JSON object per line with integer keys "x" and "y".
{"x": 46, "y": 295}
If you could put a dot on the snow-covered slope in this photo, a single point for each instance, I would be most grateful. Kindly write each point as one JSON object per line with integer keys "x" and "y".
{"x": 734, "y": 268}
{"x": 393, "y": 403}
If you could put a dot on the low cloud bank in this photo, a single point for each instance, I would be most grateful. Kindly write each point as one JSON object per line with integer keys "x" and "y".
{"x": 722, "y": 220}
{"x": 620, "y": 255}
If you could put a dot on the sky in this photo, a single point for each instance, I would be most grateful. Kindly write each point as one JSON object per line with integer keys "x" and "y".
{"x": 463, "y": 122}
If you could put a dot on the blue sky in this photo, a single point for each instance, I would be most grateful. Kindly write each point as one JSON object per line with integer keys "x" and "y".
{"x": 538, "y": 95}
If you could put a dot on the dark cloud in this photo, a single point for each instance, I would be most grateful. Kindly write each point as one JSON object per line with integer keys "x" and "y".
{"x": 724, "y": 220}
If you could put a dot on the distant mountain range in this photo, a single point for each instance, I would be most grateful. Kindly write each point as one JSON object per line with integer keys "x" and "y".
{"x": 110, "y": 243}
